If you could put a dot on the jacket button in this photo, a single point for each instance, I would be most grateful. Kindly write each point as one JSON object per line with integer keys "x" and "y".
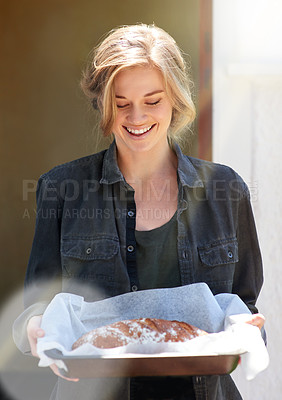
{"x": 130, "y": 214}
{"x": 88, "y": 251}
{"x": 134, "y": 288}
{"x": 130, "y": 248}
{"x": 230, "y": 254}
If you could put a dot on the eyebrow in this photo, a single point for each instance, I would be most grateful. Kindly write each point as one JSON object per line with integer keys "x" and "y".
{"x": 146, "y": 95}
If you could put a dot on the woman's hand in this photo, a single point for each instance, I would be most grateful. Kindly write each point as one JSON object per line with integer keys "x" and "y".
{"x": 34, "y": 332}
{"x": 257, "y": 320}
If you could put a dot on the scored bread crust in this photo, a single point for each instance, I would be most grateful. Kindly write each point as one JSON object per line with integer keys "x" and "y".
{"x": 142, "y": 330}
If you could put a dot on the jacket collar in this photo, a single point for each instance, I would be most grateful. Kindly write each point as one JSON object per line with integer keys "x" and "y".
{"x": 111, "y": 173}
{"x": 187, "y": 173}
{"x": 110, "y": 170}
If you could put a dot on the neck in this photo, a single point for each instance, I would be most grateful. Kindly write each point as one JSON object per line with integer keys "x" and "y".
{"x": 146, "y": 166}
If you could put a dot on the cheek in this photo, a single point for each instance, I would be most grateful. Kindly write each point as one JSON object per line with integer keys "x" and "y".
{"x": 165, "y": 115}
{"x": 117, "y": 123}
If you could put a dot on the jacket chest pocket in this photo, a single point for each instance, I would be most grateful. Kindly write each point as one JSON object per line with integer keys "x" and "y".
{"x": 89, "y": 258}
{"x": 217, "y": 264}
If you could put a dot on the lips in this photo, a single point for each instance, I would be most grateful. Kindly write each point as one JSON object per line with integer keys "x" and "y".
{"x": 138, "y": 132}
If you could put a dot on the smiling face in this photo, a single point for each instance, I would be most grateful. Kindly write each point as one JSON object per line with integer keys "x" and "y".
{"x": 144, "y": 110}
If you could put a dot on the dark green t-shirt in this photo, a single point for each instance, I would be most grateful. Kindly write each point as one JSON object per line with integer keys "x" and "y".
{"x": 156, "y": 256}
{"x": 157, "y": 266}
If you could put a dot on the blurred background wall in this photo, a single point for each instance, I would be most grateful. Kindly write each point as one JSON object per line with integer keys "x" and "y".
{"x": 247, "y": 135}
{"x": 45, "y": 121}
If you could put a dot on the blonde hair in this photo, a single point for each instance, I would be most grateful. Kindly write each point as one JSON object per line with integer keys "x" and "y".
{"x": 137, "y": 45}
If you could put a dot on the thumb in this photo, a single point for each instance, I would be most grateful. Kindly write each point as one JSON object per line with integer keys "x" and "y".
{"x": 39, "y": 333}
{"x": 34, "y": 329}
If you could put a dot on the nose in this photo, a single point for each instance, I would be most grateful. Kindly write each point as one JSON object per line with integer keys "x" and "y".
{"x": 136, "y": 115}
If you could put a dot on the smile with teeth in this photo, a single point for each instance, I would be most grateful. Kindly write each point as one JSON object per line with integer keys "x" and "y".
{"x": 139, "y": 131}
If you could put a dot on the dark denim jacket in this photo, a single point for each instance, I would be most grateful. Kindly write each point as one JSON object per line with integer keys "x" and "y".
{"x": 84, "y": 238}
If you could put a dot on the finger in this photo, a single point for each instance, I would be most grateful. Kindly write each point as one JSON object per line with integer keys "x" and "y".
{"x": 34, "y": 332}
{"x": 33, "y": 327}
{"x": 55, "y": 369}
{"x": 257, "y": 320}
{"x": 35, "y": 321}
{"x": 33, "y": 347}
{"x": 39, "y": 333}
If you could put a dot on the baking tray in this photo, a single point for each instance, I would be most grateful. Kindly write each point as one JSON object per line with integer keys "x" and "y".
{"x": 126, "y": 365}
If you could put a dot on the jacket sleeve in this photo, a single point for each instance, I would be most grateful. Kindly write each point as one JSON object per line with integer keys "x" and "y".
{"x": 248, "y": 277}
{"x": 43, "y": 275}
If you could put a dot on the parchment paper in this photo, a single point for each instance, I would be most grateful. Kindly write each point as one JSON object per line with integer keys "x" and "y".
{"x": 68, "y": 317}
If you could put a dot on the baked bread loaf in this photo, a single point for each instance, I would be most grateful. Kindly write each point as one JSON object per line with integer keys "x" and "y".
{"x": 143, "y": 330}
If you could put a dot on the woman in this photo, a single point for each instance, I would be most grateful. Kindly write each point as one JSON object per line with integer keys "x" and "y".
{"x": 141, "y": 215}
